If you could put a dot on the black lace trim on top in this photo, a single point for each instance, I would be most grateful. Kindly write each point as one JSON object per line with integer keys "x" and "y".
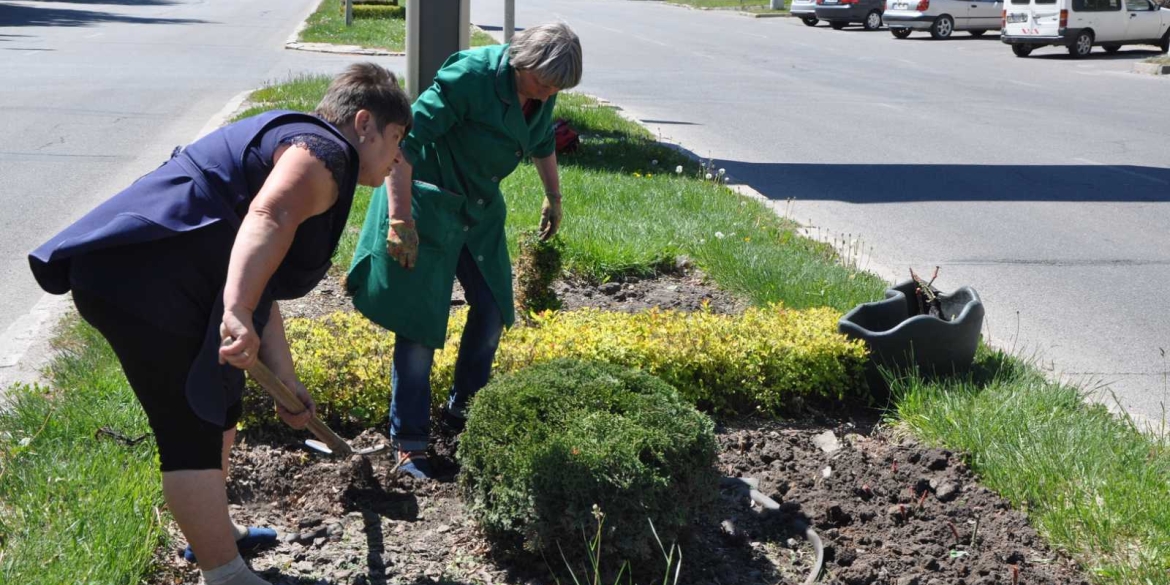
{"x": 324, "y": 150}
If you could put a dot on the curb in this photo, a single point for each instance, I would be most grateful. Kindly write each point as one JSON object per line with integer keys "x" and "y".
{"x": 341, "y": 49}
{"x": 25, "y": 349}
{"x": 1151, "y": 68}
{"x": 294, "y": 43}
{"x": 765, "y": 14}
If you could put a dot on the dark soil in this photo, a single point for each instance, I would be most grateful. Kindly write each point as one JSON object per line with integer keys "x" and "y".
{"x": 687, "y": 290}
{"x": 890, "y": 512}
{"x": 887, "y": 509}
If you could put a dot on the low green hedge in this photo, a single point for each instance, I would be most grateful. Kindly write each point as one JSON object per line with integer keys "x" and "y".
{"x": 378, "y": 12}
{"x": 546, "y": 444}
{"x": 760, "y": 361}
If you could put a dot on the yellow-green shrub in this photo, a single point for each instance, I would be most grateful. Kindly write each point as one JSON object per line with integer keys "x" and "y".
{"x": 757, "y": 361}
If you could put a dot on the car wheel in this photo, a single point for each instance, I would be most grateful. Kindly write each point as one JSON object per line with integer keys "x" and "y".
{"x": 809, "y": 20}
{"x": 900, "y": 33}
{"x": 977, "y": 32}
{"x": 943, "y": 27}
{"x": 873, "y": 20}
{"x": 837, "y": 25}
{"x": 1166, "y": 42}
{"x": 1112, "y": 49}
{"x": 1022, "y": 50}
{"x": 1082, "y": 45}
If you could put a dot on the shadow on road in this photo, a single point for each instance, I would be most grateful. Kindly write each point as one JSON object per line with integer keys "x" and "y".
{"x": 14, "y": 15}
{"x": 904, "y": 183}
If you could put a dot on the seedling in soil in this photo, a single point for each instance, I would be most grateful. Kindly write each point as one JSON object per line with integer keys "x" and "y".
{"x": 975, "y": 532}
{"x": 928, "y": 301}
{"x": 922, "y": 500}
{"x": 1015, "y": 575}
{"x": 954, "y": 531}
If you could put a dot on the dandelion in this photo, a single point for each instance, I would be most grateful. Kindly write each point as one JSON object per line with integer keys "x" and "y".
{"x": 709, "y": 177}
{"x": 654, "y": 163}
{"x": 747, "y": 240}
{"x": 678, "y": 170}
{"x": 719, "y": 235}
{"x": 639, "y": 175}
{"x": 649, "y": 175}
{"x": 722, "y": 172}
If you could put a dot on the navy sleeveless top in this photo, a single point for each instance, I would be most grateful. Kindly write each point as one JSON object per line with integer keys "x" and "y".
{"x": 160, "y": 248}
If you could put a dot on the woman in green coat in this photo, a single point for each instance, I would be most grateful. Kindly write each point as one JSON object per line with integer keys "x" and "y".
{"x": 440, "y": 216}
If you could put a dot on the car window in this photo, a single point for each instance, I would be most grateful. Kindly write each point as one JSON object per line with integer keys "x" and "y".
{"x": 1021, "y": 2}
{"x": 1097, "y": 5}
{"x": 1138, "y": 5}
{"x": 1046, "y": 1}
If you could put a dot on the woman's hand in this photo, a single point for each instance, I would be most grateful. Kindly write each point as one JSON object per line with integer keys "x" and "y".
{"x": 240, "y": 343}
{"x": 402, "y": 242}
{"x": 550, "y": 217}
{"x": 300, "y": 420}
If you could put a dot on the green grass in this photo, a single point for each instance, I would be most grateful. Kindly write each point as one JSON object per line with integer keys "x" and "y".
{"x": 1095, "y": 485}
{"x": 626, "y": 215}
{"x": 74, "y": 508}
{"x": 327, "y": 25}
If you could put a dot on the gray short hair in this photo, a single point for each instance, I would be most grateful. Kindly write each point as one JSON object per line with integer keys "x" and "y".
{"x": 551, "y": 51}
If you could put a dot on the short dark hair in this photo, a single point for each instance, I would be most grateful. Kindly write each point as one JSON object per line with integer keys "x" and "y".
{"x": 366, "y": 86}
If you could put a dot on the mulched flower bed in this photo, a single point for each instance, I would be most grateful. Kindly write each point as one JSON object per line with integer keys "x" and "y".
{"x": 889, "y": 510}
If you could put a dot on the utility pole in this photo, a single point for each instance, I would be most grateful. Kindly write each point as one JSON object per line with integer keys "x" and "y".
{"x": 447, "y": 26}
{"x": 510, "y": 19}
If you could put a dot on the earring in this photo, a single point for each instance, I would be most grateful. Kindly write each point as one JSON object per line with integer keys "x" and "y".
{"x": 361, "y": 139}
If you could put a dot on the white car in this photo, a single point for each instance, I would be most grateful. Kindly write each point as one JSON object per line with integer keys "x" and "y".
{"x": 805, "y": 10}
{"x": 1081, "y": 25}
{"x": 942, "y": 17}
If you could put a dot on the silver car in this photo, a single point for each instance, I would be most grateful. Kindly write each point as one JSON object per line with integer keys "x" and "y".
{"x": 805, "y": 10}
{"x": 943, "y": 17}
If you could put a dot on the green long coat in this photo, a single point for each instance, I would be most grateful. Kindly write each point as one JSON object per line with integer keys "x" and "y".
{"x": 469, "y": 133}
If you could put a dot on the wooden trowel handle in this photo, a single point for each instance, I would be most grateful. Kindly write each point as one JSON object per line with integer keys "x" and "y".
{"x": 286, "y": 398}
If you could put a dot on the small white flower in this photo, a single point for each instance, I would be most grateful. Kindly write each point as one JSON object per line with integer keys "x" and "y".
{"x": 720, "y": 235}
{"x": 25, "y": 441}
{"x": 654, "y": 163}
{"x": 678, "y": 169}
{"x": 709, "y": 177}
{"x": 722, "y": 172}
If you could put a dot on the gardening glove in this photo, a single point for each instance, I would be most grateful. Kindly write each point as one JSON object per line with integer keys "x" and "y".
{"x": 550, "y": 217}
{"x": 402, "y": 242}
{"x": 300, "y": 420}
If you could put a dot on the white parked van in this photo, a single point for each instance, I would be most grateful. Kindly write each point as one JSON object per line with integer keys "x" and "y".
{"x": 1082, "y": 24}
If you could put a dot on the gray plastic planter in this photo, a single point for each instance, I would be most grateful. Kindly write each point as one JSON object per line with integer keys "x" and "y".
{"x": 898, "y": 335}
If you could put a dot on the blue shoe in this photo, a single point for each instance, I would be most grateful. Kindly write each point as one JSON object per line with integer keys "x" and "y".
{"x": 253, "y": 539}
{"x": 415, "y": 464}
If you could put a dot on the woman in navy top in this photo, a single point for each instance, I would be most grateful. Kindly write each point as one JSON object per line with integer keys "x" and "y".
{"x": 181, "y": 272}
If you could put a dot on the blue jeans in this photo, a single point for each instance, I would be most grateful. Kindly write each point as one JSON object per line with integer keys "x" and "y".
{"x": 410, "y": 381}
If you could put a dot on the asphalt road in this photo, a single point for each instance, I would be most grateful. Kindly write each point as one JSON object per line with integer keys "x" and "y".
{"x": 94, "y": 94}
{"x": 1042, "y": 182}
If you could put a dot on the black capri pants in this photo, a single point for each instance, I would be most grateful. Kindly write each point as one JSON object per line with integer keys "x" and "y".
{"x": 156, "y": 362}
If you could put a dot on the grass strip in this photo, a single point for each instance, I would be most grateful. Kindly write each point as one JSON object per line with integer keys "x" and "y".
{"x": 627, "y": 211}
{"x": 76, "y": 507}
{"x": 327, "y": 25}
{"x": 1094, "y": 484}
